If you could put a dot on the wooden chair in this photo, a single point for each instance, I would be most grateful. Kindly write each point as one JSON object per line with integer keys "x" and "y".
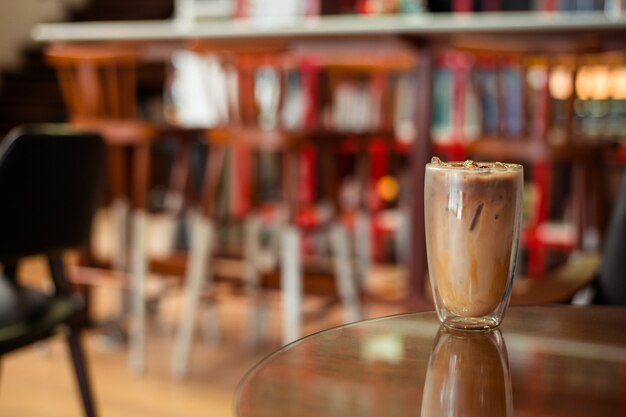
{"x": 98, "y": 83}
{"x": 51, "y": 181}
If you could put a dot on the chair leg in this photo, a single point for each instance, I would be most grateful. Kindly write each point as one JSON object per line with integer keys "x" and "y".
{"x": 82, "y": 376}
{"x": 291, "y": 283}
{"x": 202, "y": 235}
{"x": 139, "y": 261}
{"x": 62, "y": 287}
{"x": 344, "y": 272}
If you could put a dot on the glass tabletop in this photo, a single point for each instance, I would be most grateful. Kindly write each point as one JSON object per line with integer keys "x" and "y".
{"x": 543, "y": 361}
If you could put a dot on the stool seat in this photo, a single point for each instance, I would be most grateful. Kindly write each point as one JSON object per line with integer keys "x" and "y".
{"x": 119, "y": 132}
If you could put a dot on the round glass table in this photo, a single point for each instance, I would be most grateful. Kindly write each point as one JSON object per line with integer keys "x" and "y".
{"x": 543, "y": 361}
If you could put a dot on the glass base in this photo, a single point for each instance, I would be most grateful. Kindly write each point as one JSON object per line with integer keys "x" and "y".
{"x": 471, "y": 323}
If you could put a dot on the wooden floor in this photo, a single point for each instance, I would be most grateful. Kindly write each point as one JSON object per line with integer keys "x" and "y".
{"x": 38, "y": 381}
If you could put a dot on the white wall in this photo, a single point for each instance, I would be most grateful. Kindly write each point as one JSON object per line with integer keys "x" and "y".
{"x": 17, "y": 18}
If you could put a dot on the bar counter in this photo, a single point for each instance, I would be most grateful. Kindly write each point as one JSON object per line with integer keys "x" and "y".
{"x": 543, "y": 361}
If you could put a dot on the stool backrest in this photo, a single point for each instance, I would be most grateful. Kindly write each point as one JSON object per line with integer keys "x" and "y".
{"x": 50, "y": 182}
{"x": 96, "y": 82}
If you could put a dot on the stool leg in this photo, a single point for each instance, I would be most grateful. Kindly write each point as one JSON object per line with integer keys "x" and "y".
{"x": 120, "y": 207}
{"x": 252, "y": 238}
{"x": 344, "y": 272}
{"x": 175, "y": 197}
{"x": 202, "y": 234}
{"x": 363, "y": 221}
{"x": 139, "y": 268}
{"x": 291, "y": 283}
{"x": 363, "y": 245}
{"x": 402, "y": 237}
{"x": 211, "y": 324}
{"x": 139, "y": 258}
{"x": 119, "y": 215}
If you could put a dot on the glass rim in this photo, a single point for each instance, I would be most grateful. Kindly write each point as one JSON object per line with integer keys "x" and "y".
{"x": 459, "y": 166}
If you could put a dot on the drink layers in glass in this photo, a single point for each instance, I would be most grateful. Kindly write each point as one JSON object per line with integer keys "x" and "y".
{"x": 472, "y": 222}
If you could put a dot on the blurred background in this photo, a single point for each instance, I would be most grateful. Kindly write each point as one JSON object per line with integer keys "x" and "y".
{"x": 558, "y": 106}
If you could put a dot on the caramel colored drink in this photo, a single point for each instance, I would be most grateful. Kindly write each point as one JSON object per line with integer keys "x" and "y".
{"x": 472, "y": 219}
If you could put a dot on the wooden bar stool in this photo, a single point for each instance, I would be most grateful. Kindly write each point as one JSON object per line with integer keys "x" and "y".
{"x": 205, "y": 220}
{"x": 324, "y": 73}
{"x": 264, "y": 129}
{"x": 241, "y": 132}
{"x": 256, "y": 124}
{"x": 98, "y": 83}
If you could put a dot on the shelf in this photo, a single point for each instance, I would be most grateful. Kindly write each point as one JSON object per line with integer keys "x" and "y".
{"x": 422, "y": 24}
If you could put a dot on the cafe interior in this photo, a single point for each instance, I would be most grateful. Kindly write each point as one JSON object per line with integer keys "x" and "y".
{"x": 220, "y": 207}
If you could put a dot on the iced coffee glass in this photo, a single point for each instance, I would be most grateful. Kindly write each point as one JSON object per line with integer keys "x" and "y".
{"x": 472, "y": 219}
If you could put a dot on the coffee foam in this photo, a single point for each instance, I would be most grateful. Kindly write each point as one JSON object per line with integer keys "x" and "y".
{"x": 473, "y": 165}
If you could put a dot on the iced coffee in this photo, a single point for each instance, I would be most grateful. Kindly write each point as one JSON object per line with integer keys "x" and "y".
{"x": 472, "y": 219}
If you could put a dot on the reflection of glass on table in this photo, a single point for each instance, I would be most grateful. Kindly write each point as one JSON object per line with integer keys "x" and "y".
{"x": 468, "y": 375}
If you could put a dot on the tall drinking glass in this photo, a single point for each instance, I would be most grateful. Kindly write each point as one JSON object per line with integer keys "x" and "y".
{"x": 472, "y": 221}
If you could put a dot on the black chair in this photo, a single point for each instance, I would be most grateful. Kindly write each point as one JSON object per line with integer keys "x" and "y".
{"x": 50, "y": 184}
{"x": 601, "y": 275}
{"x": 610, "y": 285}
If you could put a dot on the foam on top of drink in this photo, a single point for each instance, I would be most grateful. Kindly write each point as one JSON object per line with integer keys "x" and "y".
{"x": 470, "y": 165}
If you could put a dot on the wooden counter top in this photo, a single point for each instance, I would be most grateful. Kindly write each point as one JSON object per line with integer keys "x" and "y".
{"x": 556, "y": 361}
